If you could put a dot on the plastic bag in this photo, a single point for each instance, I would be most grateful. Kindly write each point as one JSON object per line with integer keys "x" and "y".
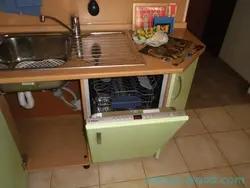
{"x": 158, "y": 39}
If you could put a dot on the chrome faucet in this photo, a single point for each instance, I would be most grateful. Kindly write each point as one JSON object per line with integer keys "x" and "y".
{"x": 75, "y": 24}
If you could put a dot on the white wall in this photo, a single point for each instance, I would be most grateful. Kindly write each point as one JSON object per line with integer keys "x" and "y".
{"x": 236, "y": 47}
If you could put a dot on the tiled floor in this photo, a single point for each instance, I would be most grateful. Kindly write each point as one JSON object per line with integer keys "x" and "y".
{"x": 214, "y": 145}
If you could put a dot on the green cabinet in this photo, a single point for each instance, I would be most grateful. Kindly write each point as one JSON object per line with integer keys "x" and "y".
{"x": 12, "y": 174}
{"x": 180, "y": 86}
{"x": 115, "y": 140}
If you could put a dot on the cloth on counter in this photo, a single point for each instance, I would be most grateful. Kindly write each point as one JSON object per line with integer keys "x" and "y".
{"x": 29, "y": 7}
{"x": 28, "y": 3}
{"x": 175, "y": 51}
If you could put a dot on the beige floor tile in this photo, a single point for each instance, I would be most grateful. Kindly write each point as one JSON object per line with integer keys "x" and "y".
{"x": 127, "y": 184}
{"x": 119, "y": 171}
{"x": 241, "y": 114}
{"x": 170, "y": 162}
{"x": 235, "y": 145}
{"x": 217, "y": 119}
{"x": 200, "y": 152}
{"x": 192, "y": 127}
{"x": 39, "y": 179}
{"x": 75, "y": 177}
{"x": 173, "y": 181}
{"x": 220, "y": 177}
{"x": 243, "y": 171}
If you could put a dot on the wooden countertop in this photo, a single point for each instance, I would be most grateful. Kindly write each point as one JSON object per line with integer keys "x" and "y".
{"x": 152, "y": 66}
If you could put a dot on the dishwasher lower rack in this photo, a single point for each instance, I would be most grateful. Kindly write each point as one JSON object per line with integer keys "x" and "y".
{"x": 123, "y": 93}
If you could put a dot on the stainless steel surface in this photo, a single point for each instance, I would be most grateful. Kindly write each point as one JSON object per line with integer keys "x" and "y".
{"x": 107, "y": 49}
{"x": 16, "y": 48}
{"x": 75, "y": 24}
{"x": 33, "y": 51}
{"x": 91, "y": 50}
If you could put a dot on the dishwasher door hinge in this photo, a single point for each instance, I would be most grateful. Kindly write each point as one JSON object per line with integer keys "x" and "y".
{"x": 24, "y": 161}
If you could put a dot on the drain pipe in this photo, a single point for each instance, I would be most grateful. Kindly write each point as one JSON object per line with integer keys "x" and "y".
{"x": 26, "y": 99}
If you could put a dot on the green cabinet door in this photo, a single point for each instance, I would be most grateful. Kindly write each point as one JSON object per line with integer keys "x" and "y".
{"x": 180, "y": 87}
{"x": 12, "y": 174}
{"x": 131, "y": 139}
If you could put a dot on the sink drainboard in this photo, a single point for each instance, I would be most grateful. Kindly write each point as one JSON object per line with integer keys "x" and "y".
{"x": 106, "y": 49}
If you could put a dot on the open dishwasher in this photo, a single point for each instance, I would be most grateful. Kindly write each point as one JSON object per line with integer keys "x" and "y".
{"x": 126, "y": 117}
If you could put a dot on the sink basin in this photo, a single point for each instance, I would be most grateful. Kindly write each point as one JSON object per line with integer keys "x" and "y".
{"x": 33, "y": 51}
{"x": 28, "y": 47}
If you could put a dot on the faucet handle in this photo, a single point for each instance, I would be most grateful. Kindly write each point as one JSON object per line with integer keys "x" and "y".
{"x": 75, "y": 25}
{"x": 75, "y": 19}
{"x": 42, "y": 18}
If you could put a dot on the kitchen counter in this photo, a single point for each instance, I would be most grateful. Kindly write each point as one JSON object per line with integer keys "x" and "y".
{"x": 152, "y": 66}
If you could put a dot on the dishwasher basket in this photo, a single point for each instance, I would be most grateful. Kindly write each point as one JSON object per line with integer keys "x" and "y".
{"x": 124, "y": 93}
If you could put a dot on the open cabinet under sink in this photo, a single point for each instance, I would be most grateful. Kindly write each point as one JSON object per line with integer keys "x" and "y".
{"x": 122, "y": 118}
{"x": 53, "y": 142}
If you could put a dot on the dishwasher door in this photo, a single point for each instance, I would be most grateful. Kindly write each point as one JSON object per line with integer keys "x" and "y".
{"x": 131, "y": 134}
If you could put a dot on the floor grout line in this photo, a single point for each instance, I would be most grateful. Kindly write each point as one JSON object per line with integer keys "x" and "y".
{"x": 231, "y": 115}
{"x": 184, "y": 136}
{"x": 168, "y": 175}
{"x": 99, "y": 177}
{"x": 123, "y": 181}
{"x": 237, "y": 176}
{"x": 184, "y": 161}
{"x": 245, "y": 131}
{"x": 181, "y": 154}
{"x": 231, "y": 166}
{"x": 209, "y": 133}
{"x": 143, "y": 167}
{"x": 51, "y": 174}
{"x": 193, "y": 180}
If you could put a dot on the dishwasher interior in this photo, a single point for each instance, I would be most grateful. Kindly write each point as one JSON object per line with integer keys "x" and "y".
{"x": 125, "y": 93}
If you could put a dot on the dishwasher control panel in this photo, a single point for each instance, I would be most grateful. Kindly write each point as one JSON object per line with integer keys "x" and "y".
{"x": 135, "y": 117}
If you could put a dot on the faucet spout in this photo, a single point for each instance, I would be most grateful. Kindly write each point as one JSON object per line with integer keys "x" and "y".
{"x": 75, "y": 23}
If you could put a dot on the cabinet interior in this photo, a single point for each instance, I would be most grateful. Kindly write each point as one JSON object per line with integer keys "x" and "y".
{"x": 50, "y": 141}
{"x": 55, "y": 136}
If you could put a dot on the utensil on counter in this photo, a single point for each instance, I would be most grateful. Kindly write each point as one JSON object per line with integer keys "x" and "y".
{"x": 93, "y": 8}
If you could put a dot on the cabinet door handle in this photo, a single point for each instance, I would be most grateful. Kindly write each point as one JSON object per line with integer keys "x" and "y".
{"x": 99, "y": 138}
{"x": 180, "y": 87}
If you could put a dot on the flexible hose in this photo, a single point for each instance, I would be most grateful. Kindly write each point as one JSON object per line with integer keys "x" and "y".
{"x": 70, "y": 91}
{"x": 66, "y": 102}
{"x": 26, "y": 99}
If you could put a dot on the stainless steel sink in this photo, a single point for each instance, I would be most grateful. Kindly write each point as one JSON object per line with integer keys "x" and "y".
{"x": 17, "y": 48}
{"x": 27, "y": 48}
{"x": 40, "y": 50}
